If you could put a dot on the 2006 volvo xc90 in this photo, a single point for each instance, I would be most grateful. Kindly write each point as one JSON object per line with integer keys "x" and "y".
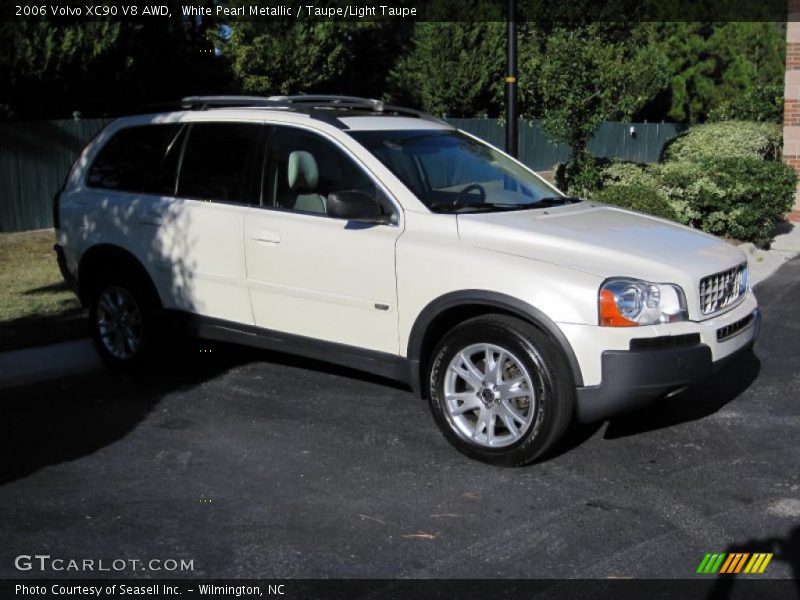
{"x": 381, "y": 238}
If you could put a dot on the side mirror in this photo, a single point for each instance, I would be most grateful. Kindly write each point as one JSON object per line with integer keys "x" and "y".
{"x": 354, "y": 205}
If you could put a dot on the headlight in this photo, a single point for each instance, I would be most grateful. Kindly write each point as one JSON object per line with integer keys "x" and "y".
{"x": 744, "y": 281}
{"x": 631, "y": 302}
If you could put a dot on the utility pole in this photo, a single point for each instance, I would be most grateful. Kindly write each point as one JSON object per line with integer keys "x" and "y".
{"x": 511, "y": 80}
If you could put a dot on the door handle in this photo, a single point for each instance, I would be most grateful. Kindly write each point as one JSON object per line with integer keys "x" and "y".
{"x": 150, "y": 217}
{"x": 267, "y": 236}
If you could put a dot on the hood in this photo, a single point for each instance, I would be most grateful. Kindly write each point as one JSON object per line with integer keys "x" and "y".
{"x": 603, "y": 240}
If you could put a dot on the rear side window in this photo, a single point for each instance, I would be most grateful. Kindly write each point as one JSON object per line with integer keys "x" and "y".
{"x": 127, "y": 158}
{"x": 218, "y": 162}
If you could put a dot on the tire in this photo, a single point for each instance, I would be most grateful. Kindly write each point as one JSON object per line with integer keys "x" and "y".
{"x": 127, "y": 339}
{"x": 513, "y": 364}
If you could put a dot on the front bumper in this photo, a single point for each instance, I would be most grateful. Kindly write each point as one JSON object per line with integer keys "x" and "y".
{"x": 637, "y": 377}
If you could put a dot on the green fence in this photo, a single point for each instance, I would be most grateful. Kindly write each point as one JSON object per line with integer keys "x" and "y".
{"x": 36, "y": 156}
{"x": 636, "y": 142}
{"x": 34, "y": 160}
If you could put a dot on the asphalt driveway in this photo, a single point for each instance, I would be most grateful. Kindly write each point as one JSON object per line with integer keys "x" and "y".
{"x": 255, "y": 465}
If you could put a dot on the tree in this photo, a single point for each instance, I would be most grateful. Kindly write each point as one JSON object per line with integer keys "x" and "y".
{"x": 43, "y": 62}
{"x": 290, "y": 57}
{"x": 52, "y": 68}
{"x": 719, "y": 67}
{"x": 589, "y": 74}
{"x": 453, "y": 68}
{"x": 277, "y": 57}
{"x": 763, "y": 103}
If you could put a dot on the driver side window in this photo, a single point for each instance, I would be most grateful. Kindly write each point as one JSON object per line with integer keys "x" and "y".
{"x": 301, "y": 169}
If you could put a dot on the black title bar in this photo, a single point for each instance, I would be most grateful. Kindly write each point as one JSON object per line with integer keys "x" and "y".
{"x": 571, "y": 11}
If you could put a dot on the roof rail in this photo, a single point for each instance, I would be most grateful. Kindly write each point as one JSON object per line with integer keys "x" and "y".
{"x": 314, "y": 105}
{"x": 331, "y": 101}
{"x": 204, "y": 102}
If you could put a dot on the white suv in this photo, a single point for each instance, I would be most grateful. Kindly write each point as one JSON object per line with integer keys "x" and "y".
{"x": 383, "y": 239}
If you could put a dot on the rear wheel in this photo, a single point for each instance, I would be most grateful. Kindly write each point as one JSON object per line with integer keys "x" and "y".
{"x": 123, "y": 316}
{"x": 500, "y": 390}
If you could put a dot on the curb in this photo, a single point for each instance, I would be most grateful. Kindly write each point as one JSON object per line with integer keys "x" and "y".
{"x": 43, "y": 363}
{"x": 763, "y": 263}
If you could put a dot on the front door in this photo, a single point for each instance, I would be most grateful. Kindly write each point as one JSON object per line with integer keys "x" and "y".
{"x": 310, "y": 274}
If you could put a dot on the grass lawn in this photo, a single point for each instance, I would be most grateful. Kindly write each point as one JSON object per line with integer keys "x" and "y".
{"x": 36, "y": 307}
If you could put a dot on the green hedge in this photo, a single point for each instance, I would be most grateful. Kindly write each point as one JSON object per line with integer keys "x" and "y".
{"x": 742, "y": 197}
{"x": 628, "y": 174}
{"x": 643, "y": 198}
{"x": 727, "y": 139}
{"x": 724, "y": 178}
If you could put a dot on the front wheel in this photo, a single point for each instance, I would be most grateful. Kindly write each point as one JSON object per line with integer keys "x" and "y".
{"x": 500, "y": 390}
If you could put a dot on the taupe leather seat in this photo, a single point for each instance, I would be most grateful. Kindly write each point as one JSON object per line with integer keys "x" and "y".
{"x": 303, "y": 177}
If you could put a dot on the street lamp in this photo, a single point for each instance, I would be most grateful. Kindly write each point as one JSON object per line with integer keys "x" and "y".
{"x": 511, "y": 80}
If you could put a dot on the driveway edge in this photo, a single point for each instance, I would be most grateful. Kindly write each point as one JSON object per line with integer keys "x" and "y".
{"x": 43, "y": 363}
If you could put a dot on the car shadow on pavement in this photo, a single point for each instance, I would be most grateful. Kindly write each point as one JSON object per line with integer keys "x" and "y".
{"x": 59, "y": 421}
{"x": 695, "y": 403}
{"x": 576, "y": 435}
{"x": 310, "y": 364}
{"x": 53, "y": 422}
{"x": 785, "y": 549}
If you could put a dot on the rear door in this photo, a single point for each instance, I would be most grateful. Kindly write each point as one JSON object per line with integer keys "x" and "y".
{"x": 310, "y": 274}
{"x": 206, "y": 185}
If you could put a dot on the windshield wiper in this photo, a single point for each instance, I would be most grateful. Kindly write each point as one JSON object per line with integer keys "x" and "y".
{"x": 546, "y": 202}
{"x": 464, "y": 208}
{"x": 549, "y": 201}
{"x": 488, "y": 207}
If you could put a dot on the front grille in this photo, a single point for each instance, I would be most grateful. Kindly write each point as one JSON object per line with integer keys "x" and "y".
{"x": 723, "y": 333}
{"x": 665, "y": 341}
{"x": 722, "y": 289}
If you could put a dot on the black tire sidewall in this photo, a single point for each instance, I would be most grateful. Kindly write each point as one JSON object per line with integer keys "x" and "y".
{"x": 540, "y": 357}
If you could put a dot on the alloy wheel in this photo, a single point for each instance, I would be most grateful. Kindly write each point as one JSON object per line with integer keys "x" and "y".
{"x": 119, "y": 322}
{"x": 490, "y": 397}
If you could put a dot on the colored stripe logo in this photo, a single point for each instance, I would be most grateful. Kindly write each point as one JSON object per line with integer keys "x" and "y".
{"x": 734, "y": 562}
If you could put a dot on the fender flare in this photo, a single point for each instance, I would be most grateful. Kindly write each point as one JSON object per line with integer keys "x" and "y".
{"x": 489, "y": 299}
{"x": 112, "y": 254}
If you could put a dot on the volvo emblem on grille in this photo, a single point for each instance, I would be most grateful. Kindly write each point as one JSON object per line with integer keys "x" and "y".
{"x": 722, "y": 289}
{"x": 729, "y": 287}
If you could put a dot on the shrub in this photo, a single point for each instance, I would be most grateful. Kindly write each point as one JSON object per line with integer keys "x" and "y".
{"x": 579, "y": 176}
{"x": 644, "y": 198}
{"x": 683, "y": 182}
{"x": 628, "y": 173}
{"x": 727, "y": 139}
{"x": 740, "y": 197}
{"x": 722, "y": 178}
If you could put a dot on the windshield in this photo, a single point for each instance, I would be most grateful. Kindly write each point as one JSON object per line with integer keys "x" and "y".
{"x": 452, "y": 172}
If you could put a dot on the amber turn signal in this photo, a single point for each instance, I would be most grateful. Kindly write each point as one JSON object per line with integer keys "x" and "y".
{"x": 609, "y": 313}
